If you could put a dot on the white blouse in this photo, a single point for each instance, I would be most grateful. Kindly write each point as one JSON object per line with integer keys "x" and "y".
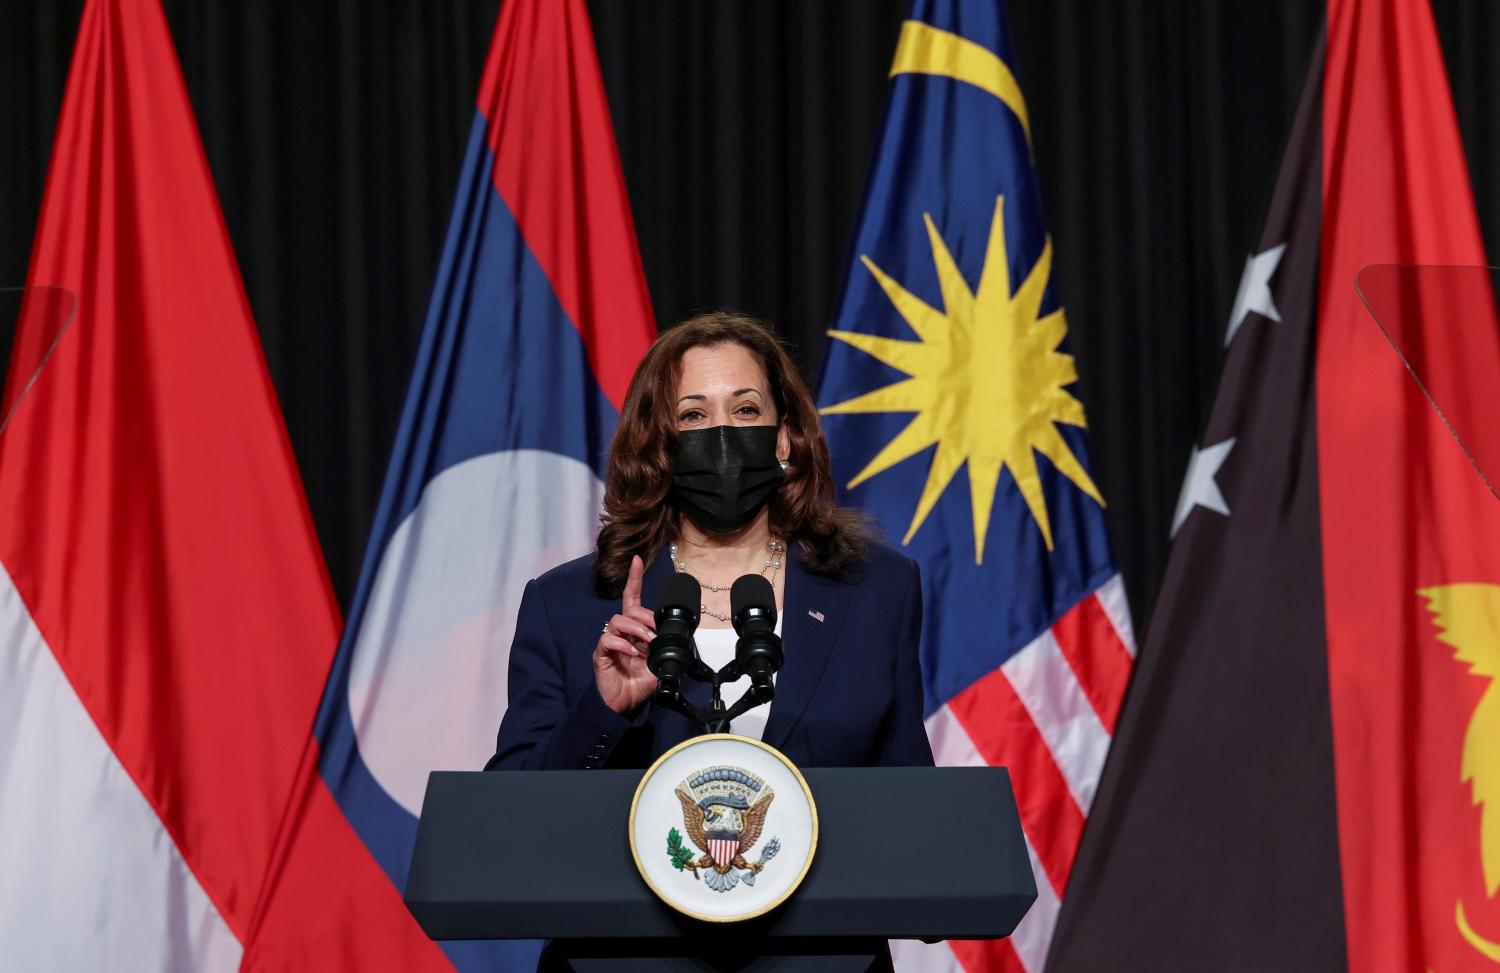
{"x": 716, "y": 649}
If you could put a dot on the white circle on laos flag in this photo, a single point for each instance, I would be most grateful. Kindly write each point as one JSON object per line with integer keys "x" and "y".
{"x": 427, "y": 682}
{"x": 723, "y": 828}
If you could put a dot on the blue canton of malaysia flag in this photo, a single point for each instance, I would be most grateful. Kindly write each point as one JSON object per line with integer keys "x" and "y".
{"x": 538, "y": 317}
{"x": 947, "y": 397}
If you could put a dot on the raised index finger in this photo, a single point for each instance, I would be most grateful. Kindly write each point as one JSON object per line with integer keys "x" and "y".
{"x": 632, "y": 596}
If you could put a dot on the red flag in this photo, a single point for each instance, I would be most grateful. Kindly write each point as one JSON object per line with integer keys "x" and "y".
{"x": 1406, "y": 523}
{"x": 166, "y": 622}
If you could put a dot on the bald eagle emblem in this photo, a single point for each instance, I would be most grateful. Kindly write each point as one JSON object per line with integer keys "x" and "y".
{"x": 724, "y": 813}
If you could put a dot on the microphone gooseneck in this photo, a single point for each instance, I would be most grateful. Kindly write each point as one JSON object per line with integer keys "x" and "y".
{"x": 752, "y": 606}
{"x": 672, "y": 654}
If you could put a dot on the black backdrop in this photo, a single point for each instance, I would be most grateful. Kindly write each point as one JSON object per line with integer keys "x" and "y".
{"x": 334, "y": 130}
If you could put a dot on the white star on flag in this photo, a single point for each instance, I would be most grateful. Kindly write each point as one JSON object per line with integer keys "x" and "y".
{"x": 1199, "y": 488}
{"x": 1255, "y": 290}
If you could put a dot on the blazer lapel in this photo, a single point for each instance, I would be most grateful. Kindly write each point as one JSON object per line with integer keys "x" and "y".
{"x": 813, "y": 612}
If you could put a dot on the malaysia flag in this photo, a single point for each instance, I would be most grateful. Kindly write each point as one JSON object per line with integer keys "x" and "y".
{"x": 950, "y": 396}
{"x": 538, "y": 317}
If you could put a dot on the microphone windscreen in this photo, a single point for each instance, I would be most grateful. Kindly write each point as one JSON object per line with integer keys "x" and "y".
{"x": 682, "y": 591}
{"x": 752, "y": 591}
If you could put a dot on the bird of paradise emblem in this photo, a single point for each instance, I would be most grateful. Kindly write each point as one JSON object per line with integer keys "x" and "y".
{"x": 1468, "y": 618}
{"x": 724, "y": 812}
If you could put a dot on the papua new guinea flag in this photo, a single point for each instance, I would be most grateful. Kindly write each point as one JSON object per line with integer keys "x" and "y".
{"x": 1306, "y": 771}
{"x": 538, "y": 317}
{"x": 948, "y": 398}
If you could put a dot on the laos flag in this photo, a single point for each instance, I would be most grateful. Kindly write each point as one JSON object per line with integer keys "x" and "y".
{"x": 538, "y": 317}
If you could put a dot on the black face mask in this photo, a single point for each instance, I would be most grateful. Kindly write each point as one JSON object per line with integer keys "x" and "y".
{"x": 724, "y": 475}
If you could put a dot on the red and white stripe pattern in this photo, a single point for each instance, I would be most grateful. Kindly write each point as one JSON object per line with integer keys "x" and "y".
{"x": 723, "y": 850}
{"x": 1048, "y": 715}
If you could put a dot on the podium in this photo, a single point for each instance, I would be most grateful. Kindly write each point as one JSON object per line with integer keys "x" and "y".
{"x": 903, "y": 853}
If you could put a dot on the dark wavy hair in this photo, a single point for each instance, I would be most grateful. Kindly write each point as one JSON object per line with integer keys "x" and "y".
{"x": 639, "y": 519}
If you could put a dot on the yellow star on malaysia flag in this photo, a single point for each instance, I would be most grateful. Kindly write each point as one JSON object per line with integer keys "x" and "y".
{"x": 986, "y": 381}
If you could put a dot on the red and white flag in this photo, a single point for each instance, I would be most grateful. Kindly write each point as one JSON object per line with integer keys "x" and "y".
{"x": 166, "y": 622}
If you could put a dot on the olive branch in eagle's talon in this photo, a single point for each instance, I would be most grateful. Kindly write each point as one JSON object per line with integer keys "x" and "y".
{"x": 681, "y": 857}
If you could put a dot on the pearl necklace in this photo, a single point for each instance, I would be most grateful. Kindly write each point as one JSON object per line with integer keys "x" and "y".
{"x": 772, "y": 563}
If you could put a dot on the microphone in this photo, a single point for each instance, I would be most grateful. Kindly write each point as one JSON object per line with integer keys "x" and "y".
{"x": 752, "y": 606}
{"x": 672, "y": 653}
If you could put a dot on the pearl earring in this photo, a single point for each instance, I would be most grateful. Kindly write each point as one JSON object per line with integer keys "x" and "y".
{"x": 785, "y": 466}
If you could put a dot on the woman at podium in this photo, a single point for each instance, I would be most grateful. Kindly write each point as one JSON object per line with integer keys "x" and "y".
{"x": 718, "y": 469}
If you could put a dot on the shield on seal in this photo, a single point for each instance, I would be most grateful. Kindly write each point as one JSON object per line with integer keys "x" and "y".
{"x": 723, "y": 850}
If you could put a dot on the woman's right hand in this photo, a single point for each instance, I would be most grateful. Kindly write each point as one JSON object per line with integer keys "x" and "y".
{"x": 620, "y": 655}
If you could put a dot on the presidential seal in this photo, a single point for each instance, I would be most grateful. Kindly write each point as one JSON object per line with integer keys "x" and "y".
{"x": 724, "y": 811}
{"x": 723, "y": 828}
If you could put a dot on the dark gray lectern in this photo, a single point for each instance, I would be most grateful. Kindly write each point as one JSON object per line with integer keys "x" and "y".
{"x": 903, "y": 853}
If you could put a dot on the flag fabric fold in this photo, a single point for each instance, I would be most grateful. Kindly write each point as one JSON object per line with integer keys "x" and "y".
{"x": 948, "y": 393}
{"x": 538, "y": 316}
{"x": 166, "y": 623}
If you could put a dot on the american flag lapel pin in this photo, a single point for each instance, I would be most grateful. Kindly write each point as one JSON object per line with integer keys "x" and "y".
{"x": 816, "y": 616}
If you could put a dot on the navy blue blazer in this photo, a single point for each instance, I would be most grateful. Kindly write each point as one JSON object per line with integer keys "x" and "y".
{"x": 848, "y": 695}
